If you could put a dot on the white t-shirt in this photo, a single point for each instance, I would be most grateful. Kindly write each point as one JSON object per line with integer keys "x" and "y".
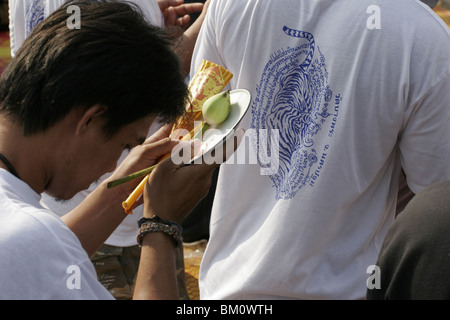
{"x": 357, "y": 90}
{"x": 25, "y": 15}
{"x": 41, "y": 258}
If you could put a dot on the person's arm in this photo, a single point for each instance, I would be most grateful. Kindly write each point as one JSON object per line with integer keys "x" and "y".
{"x": 176, "y": 14}
{"x": 171, "y": 193}
{"x": 189, "y": 38}
{"x": 156, "y": 278}
{"x": 94, "y": 219}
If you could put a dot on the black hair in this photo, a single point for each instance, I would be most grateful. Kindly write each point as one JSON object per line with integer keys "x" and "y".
{"x": 116, "y": 59}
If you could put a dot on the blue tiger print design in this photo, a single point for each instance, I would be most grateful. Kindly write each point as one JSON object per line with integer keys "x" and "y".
{"x": 34, "y": 14}
{"x": 293, "y": 96}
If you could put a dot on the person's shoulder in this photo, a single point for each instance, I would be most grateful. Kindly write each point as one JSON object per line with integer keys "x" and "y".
{"x": 39, "y": 229}
{"x": 425, "y": 19}
{"x": 33, "y": 244}
{"x": 24, "y": 222}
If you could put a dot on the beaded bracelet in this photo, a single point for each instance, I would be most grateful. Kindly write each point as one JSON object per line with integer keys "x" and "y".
{"x": 156, "y": 224}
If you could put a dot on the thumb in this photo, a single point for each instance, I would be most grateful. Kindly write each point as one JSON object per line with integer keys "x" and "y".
{"x": 163, "y": 132}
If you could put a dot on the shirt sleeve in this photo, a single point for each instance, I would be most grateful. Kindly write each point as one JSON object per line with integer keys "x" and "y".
{"x": 425, "y": 143}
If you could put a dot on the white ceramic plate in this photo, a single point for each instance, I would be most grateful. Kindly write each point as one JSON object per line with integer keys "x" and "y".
{"x": 217, "y": 135}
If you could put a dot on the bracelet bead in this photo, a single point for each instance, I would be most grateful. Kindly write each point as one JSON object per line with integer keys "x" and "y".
{"x": 156, "y": 224}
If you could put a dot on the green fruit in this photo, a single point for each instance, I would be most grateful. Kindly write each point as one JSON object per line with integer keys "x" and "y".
{"x": 217, "y": 108}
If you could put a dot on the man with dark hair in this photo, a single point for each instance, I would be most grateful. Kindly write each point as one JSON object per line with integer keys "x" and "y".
{"x": 70, "y": 102}
{"x": 119, "y": 62}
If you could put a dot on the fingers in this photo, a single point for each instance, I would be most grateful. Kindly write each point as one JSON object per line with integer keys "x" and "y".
{"x": 160, "y": 149}
{"x": 173, "y": 190}
{"x": 164, "y": 4}
{"x": 188, "y": 8}
{"x": 144, "y": 156}
{"x": 176, "y": 14}
{"x": 172, "y": 18}
{"x": 184, "y": 22}
{"x": 161, "y": 133}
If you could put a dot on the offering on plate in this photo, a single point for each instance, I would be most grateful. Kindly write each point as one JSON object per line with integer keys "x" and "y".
{"x": 209, "y": 81}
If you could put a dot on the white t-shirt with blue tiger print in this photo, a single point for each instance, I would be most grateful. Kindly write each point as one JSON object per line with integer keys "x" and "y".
{"x": 349, "y": 93}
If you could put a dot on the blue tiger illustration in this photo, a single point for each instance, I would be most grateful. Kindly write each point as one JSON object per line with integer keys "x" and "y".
{"x": 290, "y": 98}
{"x": 34, "y": 14}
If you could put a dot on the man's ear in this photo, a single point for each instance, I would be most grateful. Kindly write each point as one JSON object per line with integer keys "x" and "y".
{"x": 87, "y": 116}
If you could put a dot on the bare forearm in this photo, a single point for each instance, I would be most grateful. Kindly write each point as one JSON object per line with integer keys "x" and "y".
{"x": 189, "y": 38}
{"x": 156, "y": 279}
{"x": 185, "y": 53}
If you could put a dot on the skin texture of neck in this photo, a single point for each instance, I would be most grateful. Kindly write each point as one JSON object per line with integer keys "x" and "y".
{"x": 28, "y": 155}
